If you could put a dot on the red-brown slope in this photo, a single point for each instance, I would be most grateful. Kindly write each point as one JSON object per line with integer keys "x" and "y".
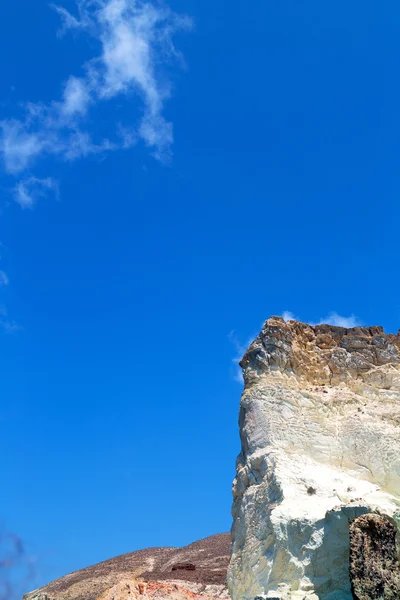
{"x": 210, "y": 558}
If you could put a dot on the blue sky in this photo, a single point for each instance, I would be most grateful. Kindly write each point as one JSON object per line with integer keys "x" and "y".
{"x": 170, "y": 177}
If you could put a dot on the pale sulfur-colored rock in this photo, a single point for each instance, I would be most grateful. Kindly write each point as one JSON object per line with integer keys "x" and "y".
{"x": 320, "y": 432}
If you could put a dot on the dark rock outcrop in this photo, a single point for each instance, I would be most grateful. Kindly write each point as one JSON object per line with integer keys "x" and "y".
{"x": 184, "y": 567}
{"x": 374, "y": 562}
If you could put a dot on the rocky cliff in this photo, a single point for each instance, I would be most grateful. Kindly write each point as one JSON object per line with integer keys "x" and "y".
{"x": 320, "y": 433}
{"x": 195, "y": 572}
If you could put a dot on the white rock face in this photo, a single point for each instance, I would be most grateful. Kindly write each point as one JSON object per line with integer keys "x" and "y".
{"x": 320, "y": 431}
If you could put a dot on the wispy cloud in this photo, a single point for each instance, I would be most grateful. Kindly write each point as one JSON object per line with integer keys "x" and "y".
{"x": 7, "y": 324}
{"x": 333, "y": 318}
{"x": 28, "y": 190}
{"x": 3, "y": 279}
{"x": 134, "y": 38}
{"x": 134, "y": 41}
{"x": 288, "y": 316}
{"x": 240, "y": 349}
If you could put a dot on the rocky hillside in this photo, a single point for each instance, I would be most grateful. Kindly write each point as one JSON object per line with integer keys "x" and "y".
{"x": 320, "y": 432}
{"x": 198, "y": 570}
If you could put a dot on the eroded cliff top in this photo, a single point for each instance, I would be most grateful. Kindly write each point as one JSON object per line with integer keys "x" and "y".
{"x": 320, "y": 354}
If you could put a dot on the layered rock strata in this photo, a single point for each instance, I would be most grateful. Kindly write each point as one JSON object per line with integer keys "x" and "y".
{"x": 197, "y": 570}
{"x": 320, "y": 433}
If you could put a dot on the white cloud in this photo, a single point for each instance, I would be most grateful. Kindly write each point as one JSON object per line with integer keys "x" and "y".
{"x": 240, "y": 349}
{"x": 7, "y": 324}
{"x": 134, "y": 37}
{"x": 76, "y": 98}
{"x": 3, "y": 278}
{"x": 288, "y": 316}
{"x": 68, "y": 20}
{"x": 27, "y": 191}
{"x": 18, "y": 146}
{"x": 334, "y": 319}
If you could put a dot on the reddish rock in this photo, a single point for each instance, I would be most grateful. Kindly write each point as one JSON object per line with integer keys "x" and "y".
{"x": 154, "y": 566}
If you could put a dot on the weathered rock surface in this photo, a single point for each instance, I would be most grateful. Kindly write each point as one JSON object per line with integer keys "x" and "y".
{"x": 374, "y": 559}
{"x": 320, "y": 432}
{"x": 155, "y": 573}
{"x": 133, "y": 589}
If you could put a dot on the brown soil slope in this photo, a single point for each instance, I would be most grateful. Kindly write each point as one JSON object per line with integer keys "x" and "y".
{"x": 200, "y": 567}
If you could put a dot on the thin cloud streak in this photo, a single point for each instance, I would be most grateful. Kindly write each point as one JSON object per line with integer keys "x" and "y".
{"x": 288, "y": 316}
{"x": 7, "y": 324}
{"x": 3, "y": 279}
{"x": 240, "y": 349}
{"x": 28, "y": 190}
{"x": 333, "y": 318}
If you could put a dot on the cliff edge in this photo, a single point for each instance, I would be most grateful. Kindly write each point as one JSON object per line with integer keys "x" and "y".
{"x": 320, "y": 433}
